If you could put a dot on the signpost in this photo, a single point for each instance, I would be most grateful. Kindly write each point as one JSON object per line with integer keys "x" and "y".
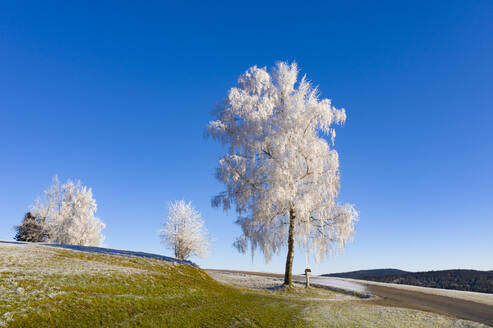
{"x": 307, "y": 275}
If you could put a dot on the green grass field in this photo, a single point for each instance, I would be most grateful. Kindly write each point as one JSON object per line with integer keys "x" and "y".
{"x": 48, "y": 287}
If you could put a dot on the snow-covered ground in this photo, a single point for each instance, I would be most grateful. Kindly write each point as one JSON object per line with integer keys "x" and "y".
{"x": 353, "y": 286}
{"x": 265, "y": 281}
{"x": 247, "y": 280}
{"x": 252, "y": 281}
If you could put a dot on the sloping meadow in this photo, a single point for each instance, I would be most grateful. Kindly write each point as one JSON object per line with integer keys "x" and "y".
{"x": 43, "y": 286}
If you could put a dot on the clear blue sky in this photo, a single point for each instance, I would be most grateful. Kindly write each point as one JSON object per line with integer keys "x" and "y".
{"x": 118, "y": 95}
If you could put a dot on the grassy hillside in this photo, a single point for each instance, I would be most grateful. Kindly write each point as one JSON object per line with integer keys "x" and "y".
{"x": 468, "y": 280}
{"x": 42, "y": 286}
{"x": 48, "y": 287}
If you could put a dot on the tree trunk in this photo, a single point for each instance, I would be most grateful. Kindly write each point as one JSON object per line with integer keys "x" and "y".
{"x": 288, "y": 274}
{"x": 178, "y": 250}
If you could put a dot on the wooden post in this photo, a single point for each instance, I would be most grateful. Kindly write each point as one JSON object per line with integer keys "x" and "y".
{"x": 307, "y": 274}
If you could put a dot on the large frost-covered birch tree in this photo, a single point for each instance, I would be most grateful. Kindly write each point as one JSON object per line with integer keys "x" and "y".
{"x": 184, "y": 231}
{"x": 68, "y": 212}
{"x": 280, "y": 171}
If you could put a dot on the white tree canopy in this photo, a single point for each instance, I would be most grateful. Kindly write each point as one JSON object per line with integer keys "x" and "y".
{"x": 69, "y": 212}
{"x": 279, "y": 163}
{"x": 184, "y": 231}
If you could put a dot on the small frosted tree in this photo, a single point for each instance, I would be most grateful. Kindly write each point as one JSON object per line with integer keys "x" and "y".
{"x": 279, "y": 170}
{"x": 184, "y": 231}
{"x": 68, "y": 211}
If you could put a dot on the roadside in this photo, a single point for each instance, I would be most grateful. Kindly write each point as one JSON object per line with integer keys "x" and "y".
{"x": 457, "y": 307}
{"x": 387, "y": 296}
{"x": 483, "y": 298}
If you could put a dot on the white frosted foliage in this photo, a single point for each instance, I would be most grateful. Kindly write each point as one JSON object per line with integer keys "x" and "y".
{"x": 184, "y": 231}
{"x": 278, "y": 160}
{"x": 69, "y": 210}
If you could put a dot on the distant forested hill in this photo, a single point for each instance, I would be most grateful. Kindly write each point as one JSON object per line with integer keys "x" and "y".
{"x": 366, "y": 273}
{"x": 468, "y": 280}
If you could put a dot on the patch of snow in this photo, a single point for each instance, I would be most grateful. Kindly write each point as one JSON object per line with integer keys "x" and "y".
{"x": 248, "y": 280}
{"x": 252, "y": 281}
{"x": 338, "y": 283}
